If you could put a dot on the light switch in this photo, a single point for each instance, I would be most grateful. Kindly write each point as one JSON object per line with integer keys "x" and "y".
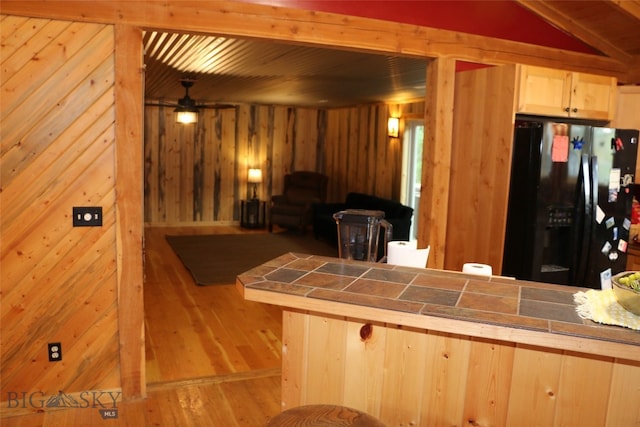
{"x": 87, "y": 216}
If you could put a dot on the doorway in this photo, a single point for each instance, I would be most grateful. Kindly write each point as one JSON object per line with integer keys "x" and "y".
{"x": 412, "y": 142}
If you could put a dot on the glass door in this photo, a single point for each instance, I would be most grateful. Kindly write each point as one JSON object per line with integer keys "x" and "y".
{"x": 413, "y": 138}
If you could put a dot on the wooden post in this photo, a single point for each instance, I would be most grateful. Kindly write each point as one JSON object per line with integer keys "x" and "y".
{"x": 436, "y": 158}
{"x": 129, "y": 208}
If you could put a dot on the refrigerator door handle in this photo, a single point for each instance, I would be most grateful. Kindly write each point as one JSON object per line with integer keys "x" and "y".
{"x": 590, "y": 226}
{"x": 584, "y": 221}
{"x": 594, "y": 185}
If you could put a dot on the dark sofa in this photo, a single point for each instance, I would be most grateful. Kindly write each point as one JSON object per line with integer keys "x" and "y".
{"x": 399, "y": 215}
{"x": 293, "y": 208}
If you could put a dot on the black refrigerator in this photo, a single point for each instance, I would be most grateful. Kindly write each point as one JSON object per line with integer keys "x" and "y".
{"x": 570, "y": 199}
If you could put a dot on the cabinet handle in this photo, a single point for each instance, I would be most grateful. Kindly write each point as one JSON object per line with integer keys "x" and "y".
{"x": 566, "y": 110}
{"x": 575, "y": 110}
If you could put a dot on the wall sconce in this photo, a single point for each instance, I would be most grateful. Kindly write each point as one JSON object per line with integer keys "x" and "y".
{"x": 393, "y": 127}
{"x": 255, "y": 177}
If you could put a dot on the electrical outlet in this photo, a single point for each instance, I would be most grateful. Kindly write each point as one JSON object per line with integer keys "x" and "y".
{"x": 87, "y": 216}
{"x": 55, "y": 352}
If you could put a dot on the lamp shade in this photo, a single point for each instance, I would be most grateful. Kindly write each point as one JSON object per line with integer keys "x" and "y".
{"x": 186, "y": 117}
{"x": 255, "y": 175}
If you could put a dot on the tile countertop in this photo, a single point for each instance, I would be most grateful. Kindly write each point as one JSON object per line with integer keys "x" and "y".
{"x": 529, "y": 308}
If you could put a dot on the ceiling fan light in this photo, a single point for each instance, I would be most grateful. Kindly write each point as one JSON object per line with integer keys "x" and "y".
{"x": 186, "y": 117}
{"x": 186, "y": 112}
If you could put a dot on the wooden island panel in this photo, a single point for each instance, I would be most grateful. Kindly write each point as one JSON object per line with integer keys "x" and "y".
{"x": 412, "y": 377}
{"x": 366, "y": 336}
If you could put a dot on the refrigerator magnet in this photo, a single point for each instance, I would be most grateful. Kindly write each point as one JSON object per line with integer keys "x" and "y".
{"x": 599, "y": 214}
{"x": 606, "y": 248}
{"x": 622, "y": 245}
{"x": 605, "y": 279}
{"x": 626, "y": 224}
{"x": 614, "y": 179}
{"x": 577, "y": 143}
{"x": 560, "y": 148}
{"x": 610, "y": 222}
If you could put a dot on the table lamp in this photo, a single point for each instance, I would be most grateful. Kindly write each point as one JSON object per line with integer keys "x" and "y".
{"x": 255, "y": 177}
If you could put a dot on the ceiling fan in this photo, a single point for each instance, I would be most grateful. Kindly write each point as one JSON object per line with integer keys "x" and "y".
{"x": 186, "y": 109}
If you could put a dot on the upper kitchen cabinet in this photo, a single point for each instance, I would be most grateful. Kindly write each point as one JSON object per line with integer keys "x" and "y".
{"x": 628, "y": 111}
{"x": 628, "y": 117}
{"x": 560, "y": 93}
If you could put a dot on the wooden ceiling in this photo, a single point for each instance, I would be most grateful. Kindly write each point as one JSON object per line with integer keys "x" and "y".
{"x": 230, "y": 70}
{"x": 610, "y": 27}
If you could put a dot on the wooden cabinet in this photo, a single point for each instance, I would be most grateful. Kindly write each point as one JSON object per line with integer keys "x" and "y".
{"x": 628, "y": 108}
{"x": 628, "y": 114}
{"x": 560, "y": 93}
{"x": 633, "y": 259}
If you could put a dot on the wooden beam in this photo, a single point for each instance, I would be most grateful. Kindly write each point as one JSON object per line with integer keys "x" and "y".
{"x": 545, "y": 10}
{"x": 129, "y": 208}
{"x": 634, "y": 70}
{"x": 632, "y": 7}
{"x": 436, "y": 159}
{"x": 240, "y": 19}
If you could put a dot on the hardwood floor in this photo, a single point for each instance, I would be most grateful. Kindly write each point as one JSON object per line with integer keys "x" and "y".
{"x": 212, "y": 358}
{"x": 199, "y": 331}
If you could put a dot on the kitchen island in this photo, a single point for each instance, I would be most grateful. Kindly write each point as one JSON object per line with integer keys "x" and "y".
{"x": 422, "y": 347}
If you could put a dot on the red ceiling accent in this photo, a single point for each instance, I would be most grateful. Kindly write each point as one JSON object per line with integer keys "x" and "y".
{"x": 504, "y": 19}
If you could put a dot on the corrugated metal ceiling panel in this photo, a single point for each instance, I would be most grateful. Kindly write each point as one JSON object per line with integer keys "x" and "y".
{"x": 237, "y": 70}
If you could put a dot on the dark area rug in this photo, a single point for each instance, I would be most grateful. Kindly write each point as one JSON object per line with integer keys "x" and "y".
{"x": 218, "y": 258}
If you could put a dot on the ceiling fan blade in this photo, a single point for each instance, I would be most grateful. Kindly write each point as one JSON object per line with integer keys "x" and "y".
{"x": 161, "y": 104}
{"x": 187, "y": 102}
{"x": 200, "y": 107}
{"x": 217, "y": 106}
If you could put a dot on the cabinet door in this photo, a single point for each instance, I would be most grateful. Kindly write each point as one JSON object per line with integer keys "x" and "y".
{"x": 633, "y": 261}
{"x": 558, "y": 93}
{"x": 544, "y": 91}
{"x": 627, "y": 108}
{"x": 592, "y": 97}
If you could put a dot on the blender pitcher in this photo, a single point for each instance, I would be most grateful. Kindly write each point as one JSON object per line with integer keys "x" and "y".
{"x": 359, "y": 234}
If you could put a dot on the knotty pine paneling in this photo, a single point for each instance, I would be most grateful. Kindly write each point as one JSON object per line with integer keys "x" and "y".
{"x": 58, "y": 282}
{"x": 480, "y": 167}
{"x": 198, "y": 173}
{"x": 414, "y": 377}
{"x": 627, "y": 114}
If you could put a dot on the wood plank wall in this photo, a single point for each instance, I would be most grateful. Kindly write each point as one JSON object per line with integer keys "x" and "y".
{"x": 480, "y": 167}
{"x": 198, "y": 173}
{"x": 414, "y": 377}
{"x": 57, "y": 151}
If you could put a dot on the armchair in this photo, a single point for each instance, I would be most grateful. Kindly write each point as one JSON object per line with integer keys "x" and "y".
{"x": 293, "y": 208}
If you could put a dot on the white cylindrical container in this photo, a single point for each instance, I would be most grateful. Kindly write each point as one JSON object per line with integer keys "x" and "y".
{"x": 478, "y": 269}
{"x": 407, "y": 254}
